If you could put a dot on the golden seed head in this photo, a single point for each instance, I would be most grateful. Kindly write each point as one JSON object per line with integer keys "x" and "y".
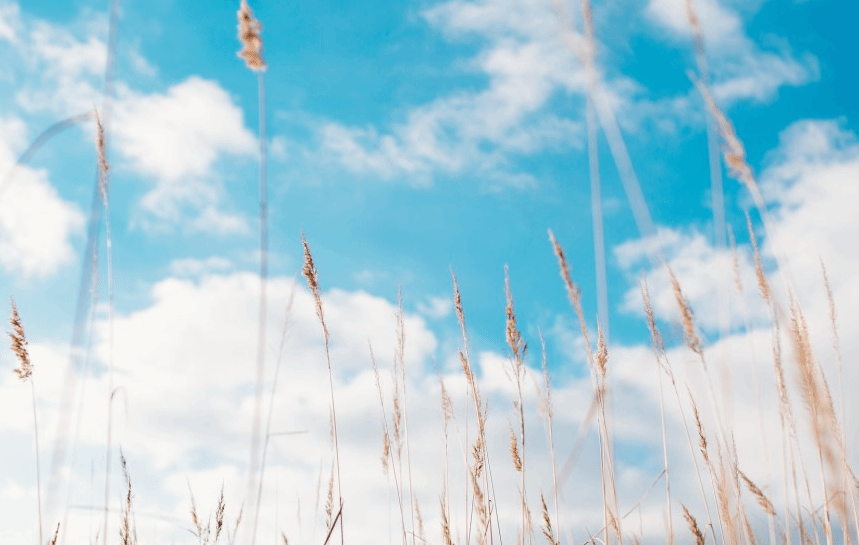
{"x": 249, "y": 36}
{"x": 19, "y": 345}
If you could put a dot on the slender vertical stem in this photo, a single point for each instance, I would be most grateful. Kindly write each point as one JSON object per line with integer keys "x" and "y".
{"x": 38, "y": 465}
{"x": 263, "y": 300}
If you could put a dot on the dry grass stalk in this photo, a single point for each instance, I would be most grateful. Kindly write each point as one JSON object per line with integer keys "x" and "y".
{"x": 763, "y": 501}
{"x": 446, "y": 403}
{"x": 447, "y": 416}
{"x": 836, "y": 345}
{"x": 686, "y": 317}
{"x": 597, "y": 363}
{"x": 421, "y": 534}
{"x": 219, "y": 515}
{"x": 249, "y": 35}
{"x": 236, "y": 525}
{"x": 823, "y": 419}
{"x": 514, "y": 337}
{"x": 480, "y": 504}
{"x": 518, "y": 347}
{"x": 127, "y": 529}
{"x": 697, "y": 39}
{"x": 735, "y": 260}
{"x": 24, "y": 371}
{"x": 833, "y": 320}
{"x": 329, "y": 502}
{"x": 573, "y": 293}
{"x": 659, "y": 352}
{"x": 723, "y": 500}
{"x": 387, "y": 455}
{"x": 103, "y": 165}
{"x": 310, "y": 273}
{"x": 312, "y": 276}
{"x": 702, "y": 438}
{"x": 56, "y": 535}
{"x": 397, "y": 416}
{"x": 400, "y": 364}
{"x": 659, "y": 349}
{"x": 445, "y": 523}
{"x": 386, "y": 440}
{"x": 514, "y": 451}
{"x": 749, "y": 532}
{"x": 548, "y": 531}
{"x": 386, "y": 451}
{"x": 601, "y": 356}
{"x": 763, "y": 284}
{"x": 195, "y": 520}
{"x": 732, "y": 149}
{"x": 693, "y": 526}
{"x": 478, "y": 449}
{"x": 104, "y": 191}
{"x": 547, "y": 411}
{"x": 19, "y": 345}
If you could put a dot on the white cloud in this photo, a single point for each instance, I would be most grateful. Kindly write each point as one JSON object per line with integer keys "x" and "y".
{"x": 176, "y": 138}
{"x": 436, "y": 308}
{"x": 9, "y": 15}
{"x": 741, "y": 69}
{"x": 719, "y": 24}
{"x": 526, "y": 62}
{"x": 180, "y": 133}
{"x": 36, "y": 224}
{"x": 195, "y": 267}
{"x": 706, "y": 274}
{"x": 173, "y": 138}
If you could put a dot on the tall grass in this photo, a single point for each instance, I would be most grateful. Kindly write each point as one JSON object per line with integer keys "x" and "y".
{"x": 727, "y": 493}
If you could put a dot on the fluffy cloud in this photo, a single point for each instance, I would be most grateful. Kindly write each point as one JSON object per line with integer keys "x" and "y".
{"x": 741, "y": 69}
{"x": 528, "y": 57}
{"x": 180, "y": 133}
{"x": 36, "y": 224}
{"x": 526, "y": 62}
{"x": 175, "y": 139}
{"x": 172, "y": 138}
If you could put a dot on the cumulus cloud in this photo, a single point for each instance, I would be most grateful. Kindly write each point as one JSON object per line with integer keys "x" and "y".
{"x": 528, "y": 58}
{"x": 175, "y": 140}
{"x": 180, "y": 133}
{"x": 526, "y": 62}
{"x": 742, "y": 69}
{"x": 36, "y": 224}
{"x": 172, "y": 138}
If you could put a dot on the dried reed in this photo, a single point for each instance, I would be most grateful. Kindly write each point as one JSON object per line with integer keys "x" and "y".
{"x": 249, "y": 36}
{"x": 387, "y": 455}
{"x": 127, "y": 528}
{"x": 312, "y": 277}
{"x": 104, "y": 193}
{"x": 693, "y": 526}
{"x": 547, "y": 410}
{"x": 518, "y": 348}
{"x": 25, "y": 373}
{"x": 763, "y": 501}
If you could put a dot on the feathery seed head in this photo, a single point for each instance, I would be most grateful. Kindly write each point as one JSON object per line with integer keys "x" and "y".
{"x": 249, "y": 36}
{"x": 19, "y": 345}
{"x": 103, "y": 165}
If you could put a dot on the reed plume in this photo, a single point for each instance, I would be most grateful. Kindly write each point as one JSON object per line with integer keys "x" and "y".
{"x": 249, "y": 36}
{"x": 25, "y": 373}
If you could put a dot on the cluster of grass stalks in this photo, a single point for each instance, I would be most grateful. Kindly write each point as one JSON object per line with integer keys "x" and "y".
{"x": 727, "y": 493}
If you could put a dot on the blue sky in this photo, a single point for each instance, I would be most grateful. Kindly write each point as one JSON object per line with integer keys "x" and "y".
{"x": 404, "y": 139}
